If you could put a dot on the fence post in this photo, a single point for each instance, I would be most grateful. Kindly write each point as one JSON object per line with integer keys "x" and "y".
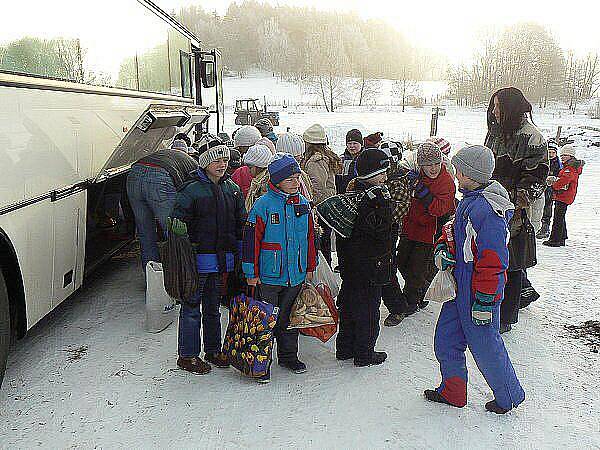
{"x": 558, "y": 134}
{"x": 434, "y": 121}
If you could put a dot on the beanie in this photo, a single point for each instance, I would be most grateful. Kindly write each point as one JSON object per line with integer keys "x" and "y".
{"x": 315, "y": 134}
{"x": 246, "y": 136}
{"x": 373, "y": 140}
{"x": 428, "y": 154}
{"x": 552, "y": 145}
{"x": 354, "y": 136}
{"x": 235, "y": 159}
{"x": 264, "y": 126}
{"x": 258, "y": 156}
{"x": 476, "y": 162}
{"x": 206, "y": 142}
{"x": 371, "y": 162}
{"x": 442, "y": 143}
{"x": 290, "y": 143}
{"x": 179, "y": 144}
{"x": 282, "y": 166}
{"x": 568, "y": 150}
{"x": 268, "y": 142}
{"x": 211, "y": 155}
{"x": 392, "y": 149}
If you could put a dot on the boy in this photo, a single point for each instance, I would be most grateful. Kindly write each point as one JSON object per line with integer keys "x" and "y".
{"x": 354, "y": 146}
{"x": 564, "y": 189}
{"x": 365, "y": 263}
{"x": 480, "y": 261}
{"x": 433, "y": 197}
{"x": 555, "y": 167}
{"x": 279, "y": 252}
{"x": 210, "y": 209}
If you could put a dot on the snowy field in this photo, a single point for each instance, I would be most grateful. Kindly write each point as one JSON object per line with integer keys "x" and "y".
{"x": 89, "y": 376}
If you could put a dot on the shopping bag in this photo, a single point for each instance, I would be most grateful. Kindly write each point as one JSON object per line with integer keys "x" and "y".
{"x": 160, "y": 306}
{"x": 324, "y": 332}
{"x": 309, "y": 309}
{"x": 442, "y": 287}
{"x": 248, "y": 340}
{"x": 324, "y": 275}
{"x": 179, "y": 266}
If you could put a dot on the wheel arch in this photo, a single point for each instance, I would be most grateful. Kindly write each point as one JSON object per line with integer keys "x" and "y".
{"x": 9, "y": 264}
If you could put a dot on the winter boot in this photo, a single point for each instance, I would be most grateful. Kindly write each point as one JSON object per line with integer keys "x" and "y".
{"x": 544, "y": 232}
{"x": 194, "y": 365}
{"x": 393, "y": 320}
{"x": 554, "y": 243}
{"x": 266, "y": 378}
{"x": 528, "y": 296}
{"x": 423, "y": 304}
{"x": 435, "y": 396}
{"x": 493, "y": 407}
{"x": 217, "y": 359}
{"x": 376, "y": 359}
{"x": 505, "y": 328}
{"x": 296, "y": 366}
{"x": 343, "y": 356}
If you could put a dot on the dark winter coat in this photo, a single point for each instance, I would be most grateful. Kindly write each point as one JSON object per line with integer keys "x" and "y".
{"x": 179, "y": 164}
{"x": 565, "y": 188}
{"x": 420, "y": 224}
{"x": 214, "y": 215}
{"x": 555, "y": 166}
{"x": 366, "y": 257}
{"x": 348, "y": 172}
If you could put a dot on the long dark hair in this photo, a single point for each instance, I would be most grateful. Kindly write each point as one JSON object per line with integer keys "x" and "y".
{"x": 513, "y": 108}
{"x": 334, "y": 161}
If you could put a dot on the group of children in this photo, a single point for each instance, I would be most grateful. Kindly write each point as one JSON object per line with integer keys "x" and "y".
{"x": 262, "y": 213}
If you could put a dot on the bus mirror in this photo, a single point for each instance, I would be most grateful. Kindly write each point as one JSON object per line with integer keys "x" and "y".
{"x": 209, "y": 78}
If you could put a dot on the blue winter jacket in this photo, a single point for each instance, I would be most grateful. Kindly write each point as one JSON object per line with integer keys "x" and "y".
{"x": 279, "y": 239}
{"x": 481, "y": 238}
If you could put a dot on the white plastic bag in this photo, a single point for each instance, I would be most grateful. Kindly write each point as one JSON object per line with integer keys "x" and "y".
{"x": 324, "y": 275}
{"x": 160, "y": 307}
{"x": 442, "y": 288}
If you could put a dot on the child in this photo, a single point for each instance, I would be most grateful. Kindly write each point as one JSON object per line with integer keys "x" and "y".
{"x": 365, "y": 263}
{"x": 480, "y": 234}
{"x": 210, "y": 209}
{"x": 279, "y": 252}
{"x": 354, "y": 141}
{"x": 565, "y": 190}
{"x": 433, "y": 197}
{"x": 255, "y": 160}
{"x": 555, "y": 167}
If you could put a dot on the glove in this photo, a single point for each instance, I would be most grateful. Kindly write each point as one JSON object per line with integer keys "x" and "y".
{"x": 413, "y": 178}
{"x": 481, "y": 311}
{"x": 443, "y": 258}
{"x": 551, "y": 180}
{"x": 177, "y": 227}
{"x": 421, "y": 191}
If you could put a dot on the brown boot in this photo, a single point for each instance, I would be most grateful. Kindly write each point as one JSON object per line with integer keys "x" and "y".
{"x": 194, "y": 365}
{"x": 218, "y": 359}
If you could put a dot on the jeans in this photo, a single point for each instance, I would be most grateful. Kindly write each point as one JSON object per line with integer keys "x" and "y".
{"x": 191, "y": 319}
{"x": 152, "y": 196}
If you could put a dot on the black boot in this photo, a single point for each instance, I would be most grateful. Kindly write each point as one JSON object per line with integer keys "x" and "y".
{"x": 376, "y": 359}
{"x": 554, "y": 243}
{"x": 493, "y": 407}
{"x": 435, "y": 396}
{"x": 544, "y": 232}
{"x": 393, "y": 320}
{"x": 505, "y": 328}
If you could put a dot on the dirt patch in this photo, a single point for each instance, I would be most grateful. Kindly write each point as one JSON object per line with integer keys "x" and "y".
{"x": 588, "y": 331}
{"x": 75, "y": 354}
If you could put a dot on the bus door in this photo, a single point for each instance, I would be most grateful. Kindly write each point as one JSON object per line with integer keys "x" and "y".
{"x": 209, "y": 88}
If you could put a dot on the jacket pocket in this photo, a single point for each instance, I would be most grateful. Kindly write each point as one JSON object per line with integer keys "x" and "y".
{"x": 270, "y": 259}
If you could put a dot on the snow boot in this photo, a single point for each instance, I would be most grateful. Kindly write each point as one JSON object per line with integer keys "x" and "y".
{"x": 393, "y": 320}
{"x": 296, "y": 366}
{"x": 493, "y": 407}
{"x": 505, "y": 328}
{"x": 343, "y": 356}
{"x": 376, "y": 359}
{"x": 423, "y": 304}
{"x": 528, "y": 296}
{"x": 434, "y": 396}
{"x": 554, "y": 243}
{"x": 266, "y": 378}
{"x": 544, "y": 232}
{"x": 217, "y": 359}
{"x": 194, "y": 365}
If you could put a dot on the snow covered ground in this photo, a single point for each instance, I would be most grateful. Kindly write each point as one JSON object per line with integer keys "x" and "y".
{"x": 89, "y": 376}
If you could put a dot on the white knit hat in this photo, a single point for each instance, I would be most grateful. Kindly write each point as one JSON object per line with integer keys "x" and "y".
{"x": 290, "y": 143}
{"x": 212, "y": 154}
{"x": 568, "y": 150}
{"x": 315, "y": 134}
{"x": 258, "y": 156}
{"x": 246, "y": 136}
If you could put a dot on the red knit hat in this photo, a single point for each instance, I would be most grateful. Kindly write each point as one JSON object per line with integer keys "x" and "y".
{"x": 373, "y": 140}
{"x": 442, "y": 143}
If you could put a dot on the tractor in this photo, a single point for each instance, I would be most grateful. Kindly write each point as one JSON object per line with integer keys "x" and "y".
{"x": 247, "y": 112}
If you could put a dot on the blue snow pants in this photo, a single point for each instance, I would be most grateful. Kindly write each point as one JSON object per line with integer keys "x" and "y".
{"x": 455, "y": 331}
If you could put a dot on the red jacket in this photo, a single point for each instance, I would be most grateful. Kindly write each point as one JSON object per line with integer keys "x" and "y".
{"x": 242, "y": 177}
{"x": 565, "y": 188}
{"x": 420, "y": 224}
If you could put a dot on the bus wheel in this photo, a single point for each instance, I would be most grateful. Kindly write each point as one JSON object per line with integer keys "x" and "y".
{"x": 4, "y": 326}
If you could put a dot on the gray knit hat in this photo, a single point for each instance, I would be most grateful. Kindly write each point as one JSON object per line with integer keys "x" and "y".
{"x": 428, "y": 154}
{"x": 476, "y": 162}
{"x": 246, "y": 136}
{"x": 212, "y": 154}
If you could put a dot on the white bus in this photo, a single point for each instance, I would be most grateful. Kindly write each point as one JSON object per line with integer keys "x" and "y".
{"x": 86, "y": 89}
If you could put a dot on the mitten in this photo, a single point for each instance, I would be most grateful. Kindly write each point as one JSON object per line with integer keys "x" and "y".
{"x": 443, "y": 258}
{"x": 177, "y": 227}
{"x": 481, "y": 311}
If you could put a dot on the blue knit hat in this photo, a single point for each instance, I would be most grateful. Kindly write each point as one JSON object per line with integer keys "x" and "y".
{"x": 282, "y": 166}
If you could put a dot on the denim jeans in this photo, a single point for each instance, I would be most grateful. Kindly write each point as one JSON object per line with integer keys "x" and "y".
{"x": 152, "y": 196}
{"x": 191, "y": 319}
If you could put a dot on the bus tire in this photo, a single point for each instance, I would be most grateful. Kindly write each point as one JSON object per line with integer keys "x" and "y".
{"x": 4, "y": 327}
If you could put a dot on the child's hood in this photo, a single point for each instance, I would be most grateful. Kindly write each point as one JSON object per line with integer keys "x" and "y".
{"x": 498, "y": 198}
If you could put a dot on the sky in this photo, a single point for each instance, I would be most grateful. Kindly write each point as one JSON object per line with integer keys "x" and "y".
{"x": 452, "y": 27}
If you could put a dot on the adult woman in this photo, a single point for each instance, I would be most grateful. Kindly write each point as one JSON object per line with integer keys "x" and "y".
{"x": 321, "y": 165}
{"x": 521, "y": 154}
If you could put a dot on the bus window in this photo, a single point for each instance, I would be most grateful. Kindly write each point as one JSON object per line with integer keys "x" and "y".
{"x": 185, "y": 60}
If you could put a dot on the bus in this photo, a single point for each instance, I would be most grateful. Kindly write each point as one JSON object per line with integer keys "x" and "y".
{"x": 86, "y": 89}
